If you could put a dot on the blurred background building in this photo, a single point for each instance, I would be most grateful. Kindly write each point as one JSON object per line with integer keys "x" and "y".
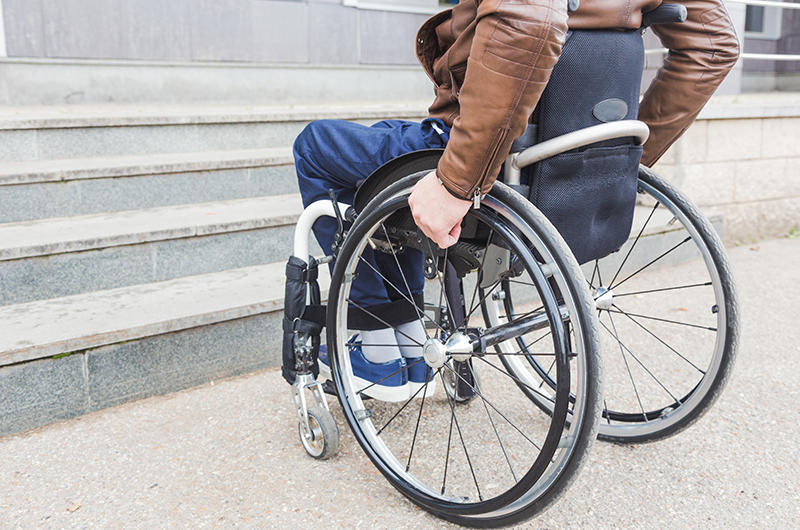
{"x": 263, "y": 51}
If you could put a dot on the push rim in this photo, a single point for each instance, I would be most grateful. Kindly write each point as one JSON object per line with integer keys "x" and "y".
{"x": 558, "y": 449}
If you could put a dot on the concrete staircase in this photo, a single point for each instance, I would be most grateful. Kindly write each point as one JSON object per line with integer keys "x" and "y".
{"x": 142, "y": 249}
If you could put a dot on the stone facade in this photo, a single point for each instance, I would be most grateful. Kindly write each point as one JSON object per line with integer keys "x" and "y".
{"x": 742, "y": 158}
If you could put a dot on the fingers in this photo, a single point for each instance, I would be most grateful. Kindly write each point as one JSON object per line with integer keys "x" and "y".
{"x": 450, "y": 238}
{"x": 436, "y": 211}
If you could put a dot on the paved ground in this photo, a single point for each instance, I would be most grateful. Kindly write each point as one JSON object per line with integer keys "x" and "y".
{"x": 227, "y": 455}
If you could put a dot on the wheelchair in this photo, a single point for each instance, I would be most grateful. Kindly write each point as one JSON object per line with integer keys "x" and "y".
{"x": 518, "y": 314}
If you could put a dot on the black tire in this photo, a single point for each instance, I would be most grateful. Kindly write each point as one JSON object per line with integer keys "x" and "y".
{"x": 671, "y": 331}
{"x": 324, "y": 442}
{"x": 497, "y": 460}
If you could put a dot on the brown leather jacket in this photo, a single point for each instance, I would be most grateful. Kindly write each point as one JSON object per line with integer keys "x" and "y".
{"x": 491, "y": 59}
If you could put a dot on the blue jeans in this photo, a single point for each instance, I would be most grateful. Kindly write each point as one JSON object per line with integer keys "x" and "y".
{"x": 340, "y": 155}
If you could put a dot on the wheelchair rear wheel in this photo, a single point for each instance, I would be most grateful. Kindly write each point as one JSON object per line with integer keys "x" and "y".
{"x": 494, "y": 459}
{"x": 668, "y": 314}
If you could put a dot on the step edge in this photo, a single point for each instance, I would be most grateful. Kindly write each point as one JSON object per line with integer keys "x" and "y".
{"x": 358, "y": 111}
{"x": 288, "y": 217}
{"x": 272, "y": 302}
{"x": 15, "y": 173}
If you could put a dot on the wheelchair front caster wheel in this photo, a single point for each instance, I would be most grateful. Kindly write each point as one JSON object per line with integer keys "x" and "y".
{"x": 322, "y": 441}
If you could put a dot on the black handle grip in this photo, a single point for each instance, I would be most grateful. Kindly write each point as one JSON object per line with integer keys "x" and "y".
{"x": 664, "y": 14}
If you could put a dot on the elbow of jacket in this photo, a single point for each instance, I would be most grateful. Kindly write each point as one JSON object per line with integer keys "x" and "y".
{"x": 727, "y": 49}
{"x": 733, "y": 54}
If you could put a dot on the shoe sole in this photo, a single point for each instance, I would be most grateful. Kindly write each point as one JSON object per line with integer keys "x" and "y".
{"x": 415, "y": 387}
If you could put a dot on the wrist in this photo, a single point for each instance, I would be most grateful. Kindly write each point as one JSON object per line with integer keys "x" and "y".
{"x": 455, "y": 194}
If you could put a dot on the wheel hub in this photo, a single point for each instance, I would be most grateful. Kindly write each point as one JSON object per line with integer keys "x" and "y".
{"x": 459, "y": 347}
{"x": 603, "y": 298}
{"x": 434, "y": 353}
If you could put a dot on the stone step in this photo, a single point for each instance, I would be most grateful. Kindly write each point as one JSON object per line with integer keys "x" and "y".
{"x": 49, "y": 328}
{"x": 58, "y": 257}
{"x": 41, "y": 189}
{"x": 61, "y": 132}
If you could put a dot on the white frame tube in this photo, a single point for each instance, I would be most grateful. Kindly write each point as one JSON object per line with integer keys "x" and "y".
{"x": 307, "y": 219}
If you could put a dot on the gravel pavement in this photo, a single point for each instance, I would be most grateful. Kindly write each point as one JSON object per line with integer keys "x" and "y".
{"x": 227, "y": 455}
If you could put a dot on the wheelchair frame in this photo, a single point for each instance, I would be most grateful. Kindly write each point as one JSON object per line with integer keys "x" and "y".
{"x": 514, "y": 163}
{"x": 318, "y": 430}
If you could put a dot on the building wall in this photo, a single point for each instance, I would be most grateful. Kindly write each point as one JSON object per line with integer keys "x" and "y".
{"x": 742, "y": 158}
{"x": 267, "y": 31}
{"x": 789, "y": 43}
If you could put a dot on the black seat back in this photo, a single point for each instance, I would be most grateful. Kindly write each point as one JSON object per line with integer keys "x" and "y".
{"x": 589, "y": 193}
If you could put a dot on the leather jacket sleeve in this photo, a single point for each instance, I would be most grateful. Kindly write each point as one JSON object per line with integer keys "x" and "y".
{"x": 515, "y": 46}
{"x": 702, "y": 50}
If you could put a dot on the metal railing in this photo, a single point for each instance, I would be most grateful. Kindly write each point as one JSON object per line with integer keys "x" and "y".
{"x": 754, "y": 56}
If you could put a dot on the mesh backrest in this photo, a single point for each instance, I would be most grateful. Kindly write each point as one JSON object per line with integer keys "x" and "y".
{"x": 589, "y": 193}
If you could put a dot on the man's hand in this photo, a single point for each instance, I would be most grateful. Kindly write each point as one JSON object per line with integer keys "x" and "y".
{"x": 436, "y": 211}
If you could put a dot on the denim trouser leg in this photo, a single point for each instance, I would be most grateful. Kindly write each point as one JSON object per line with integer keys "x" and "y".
{"x": 338, "y": 155}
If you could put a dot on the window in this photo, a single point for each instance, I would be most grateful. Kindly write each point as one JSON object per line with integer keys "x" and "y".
{"x": 763, "y": 22}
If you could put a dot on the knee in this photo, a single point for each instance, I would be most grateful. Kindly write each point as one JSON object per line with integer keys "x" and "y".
{"x": 312, "y": 138}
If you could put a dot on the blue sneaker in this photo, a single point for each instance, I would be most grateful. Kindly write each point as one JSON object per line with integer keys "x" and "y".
{"x": 393, "y": 376}
{"x": 418, "y": 370}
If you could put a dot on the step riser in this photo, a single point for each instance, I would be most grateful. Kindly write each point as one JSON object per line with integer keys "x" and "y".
{"x": 23, "y": 202}
{"x": 84, "y": 142}
{"x": 40, "y": 392}
{"x": 44, "y": 277}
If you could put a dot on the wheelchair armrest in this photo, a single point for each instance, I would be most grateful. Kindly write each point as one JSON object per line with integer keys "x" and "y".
{"x": 606, "y": 131}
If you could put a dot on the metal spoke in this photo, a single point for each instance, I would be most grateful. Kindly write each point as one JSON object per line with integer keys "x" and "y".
{"x": 547, "y": 373}
{"x": 599, "y": 277}
{"x": 518, "y": 381}
{"x": 410, "y": 399}
{"x": 676, "y": 322}
{"x": 449, "y": 437}
{"x": 638, "y": 361}
{"x": 499, "y": 441}
{"x": 520, "y": 352}
{"x": 516, "y": 315}
{"x": 482, "y": 268}
{"x": 454, "y": 419}
{"x": 441, "y": 280}
{"x": 676, "y": 288}
{"x": 419, "y": 416}
{"x": 483, "y": 299}
{"x": 612, "y": 286}
{"x": 595, "y": 270}
{"x": 376, "y": 317}
{"x": 627, "y": 367}
{"x": 647, "y": 222}
{"x": 475, "y": 389}
{"x": 660, "y": 340}
{"x": 520, "y": 282}
{"x": 405, "y": 297}
{"x": 420, "y": 313}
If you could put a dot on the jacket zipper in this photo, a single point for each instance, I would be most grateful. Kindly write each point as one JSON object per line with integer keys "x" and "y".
{"x": 476, "y": 196}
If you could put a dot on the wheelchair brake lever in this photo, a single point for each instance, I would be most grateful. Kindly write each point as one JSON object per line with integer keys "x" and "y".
{"x": 339, "y": 236}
